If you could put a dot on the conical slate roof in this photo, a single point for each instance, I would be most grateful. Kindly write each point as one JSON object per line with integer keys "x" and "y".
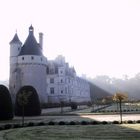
{"x": 31, "y": 47}
{"x": 15, "y": 39}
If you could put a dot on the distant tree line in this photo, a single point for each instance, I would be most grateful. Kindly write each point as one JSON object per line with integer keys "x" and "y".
{"x": 112, "y": 85}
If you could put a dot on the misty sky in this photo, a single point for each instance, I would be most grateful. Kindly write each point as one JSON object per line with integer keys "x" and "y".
{"x": 97, "y": 37}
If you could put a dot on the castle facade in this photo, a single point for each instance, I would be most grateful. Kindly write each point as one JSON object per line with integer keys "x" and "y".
{"x": 54, "y": 80}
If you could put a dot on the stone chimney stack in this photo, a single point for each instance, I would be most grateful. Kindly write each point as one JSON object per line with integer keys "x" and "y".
{"x": 41, "y": 40}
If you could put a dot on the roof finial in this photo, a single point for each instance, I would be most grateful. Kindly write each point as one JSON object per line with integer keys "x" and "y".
{"x": 31, "y": 29}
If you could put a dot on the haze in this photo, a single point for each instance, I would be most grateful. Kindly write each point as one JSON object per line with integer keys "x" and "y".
{"x": 97, "y": 37}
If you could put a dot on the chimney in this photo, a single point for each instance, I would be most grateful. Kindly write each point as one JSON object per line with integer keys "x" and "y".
{"x": 41, "y": 40}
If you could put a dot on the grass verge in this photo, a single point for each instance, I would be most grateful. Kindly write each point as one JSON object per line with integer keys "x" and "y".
{"x": 76, "y": 132}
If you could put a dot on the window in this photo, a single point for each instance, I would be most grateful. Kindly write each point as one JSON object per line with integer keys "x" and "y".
{"x": 32, "y": 57}
{"x": 56, "y": 70}
{"x": 22, "y": 58}
{"x": 65, "y": 90}
{"x": 52, "y": 90}
{"x": 51, "y": 80}
{"x": 62, "y": 91}
{"x": 41, "y": 58}
{"x": 52, "y": 71}
{"x": 47, "y": 71}
{"x": 61, "y": 80}
{"x": 61, "y": 71}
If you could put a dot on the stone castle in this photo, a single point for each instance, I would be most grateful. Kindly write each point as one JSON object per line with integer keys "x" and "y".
{"x": 54, "y": 80}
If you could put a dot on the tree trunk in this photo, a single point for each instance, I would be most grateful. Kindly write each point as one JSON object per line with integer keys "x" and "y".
{"x": 23, "y": 115}
{"x": 121, "y": 111}
{"x": 61, "y": 108}
{"x": 117, "y": 106}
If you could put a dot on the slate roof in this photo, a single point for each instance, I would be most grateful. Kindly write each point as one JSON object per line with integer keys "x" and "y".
{"x": 31, "y": 47}
{"x": 15, "y": 39}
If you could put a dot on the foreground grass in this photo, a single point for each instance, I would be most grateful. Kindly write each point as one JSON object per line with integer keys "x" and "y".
{"x": 76, "y": 132}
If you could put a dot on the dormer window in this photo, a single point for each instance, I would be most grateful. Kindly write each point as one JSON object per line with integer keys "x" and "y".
{"x": 22, "y": 58}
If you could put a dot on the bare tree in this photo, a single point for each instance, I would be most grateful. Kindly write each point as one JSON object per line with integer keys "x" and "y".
{"x": 119, "y": 97}
{"x": 23, "y": 99}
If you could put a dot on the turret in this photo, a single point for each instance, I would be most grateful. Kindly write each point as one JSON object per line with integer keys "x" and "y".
{"x": 15, "y": 46}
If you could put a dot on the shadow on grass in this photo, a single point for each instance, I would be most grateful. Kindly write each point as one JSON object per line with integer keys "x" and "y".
{"x": 102, "y": 131}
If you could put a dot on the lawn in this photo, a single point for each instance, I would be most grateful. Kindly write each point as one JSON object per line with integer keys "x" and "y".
{"x": 126, "y": 108}
{"x": 74, "y": 132}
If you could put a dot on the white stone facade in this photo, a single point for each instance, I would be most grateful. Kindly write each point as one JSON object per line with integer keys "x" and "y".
{"x": 64, "y": 85}
{"x": 53, "y": 80}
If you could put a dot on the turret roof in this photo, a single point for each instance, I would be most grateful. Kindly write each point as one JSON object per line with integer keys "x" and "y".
{"x": 31, "y": 47}
{"x": 15, "y": 39}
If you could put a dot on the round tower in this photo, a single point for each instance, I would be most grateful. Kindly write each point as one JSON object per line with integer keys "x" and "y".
{"x": 32, "y": 66}
{"x": 15, "y": 47}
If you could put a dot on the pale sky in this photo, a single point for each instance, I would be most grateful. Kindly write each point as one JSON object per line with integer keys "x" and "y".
{"x": 97, "y": 37}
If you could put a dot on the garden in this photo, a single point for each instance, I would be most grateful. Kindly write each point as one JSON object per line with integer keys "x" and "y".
{"x": 73, "y": 122}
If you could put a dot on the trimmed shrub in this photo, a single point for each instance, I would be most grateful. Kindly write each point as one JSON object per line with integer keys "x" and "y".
{"x": 6, "y": 108}
{"x": 41, "y": 123}
{"x": 7, "y": 126}
{"x": 27, "y": 97}
{"x": 89, "y": 104}
{"x": 104, "y": 122}
{"x": 84, "y": 122}
{"x": 115, "y": 122}
{"x": 95, "y": 122}
{"x": 130, "y": 122}
{"x": 138, "y": 121}
{"x": 62, "y": 123}
{"x": 72, "y": 123}
{"x": 31, "y": 124}
{"x": 1, "y": 128}
{"x": 51, "y": 123}
{"x": 73, "y": 105}
{"x": 16, "y": 125}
